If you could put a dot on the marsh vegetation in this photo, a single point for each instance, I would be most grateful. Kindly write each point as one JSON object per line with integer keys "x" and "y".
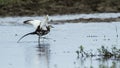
{"x": 103, "y": 53}
{"x": 41, "y": 7}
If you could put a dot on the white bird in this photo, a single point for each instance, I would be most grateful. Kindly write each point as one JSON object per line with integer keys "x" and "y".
{"x": 42, "y": 27}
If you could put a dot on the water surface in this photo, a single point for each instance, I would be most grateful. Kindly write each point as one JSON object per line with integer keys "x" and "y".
{"x": 59, "y": 50}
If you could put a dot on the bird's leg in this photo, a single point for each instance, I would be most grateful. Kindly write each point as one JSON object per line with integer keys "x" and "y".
{"x": 43, "y": 40}
{"x": 39, "y": 40}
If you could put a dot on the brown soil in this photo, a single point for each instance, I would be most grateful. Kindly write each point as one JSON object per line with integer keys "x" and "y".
{"x": 41, "y": 7}
{"x": 82, "y": 20}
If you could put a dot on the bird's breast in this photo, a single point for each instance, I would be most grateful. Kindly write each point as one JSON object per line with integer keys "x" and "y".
{"x": 42, "y": 32}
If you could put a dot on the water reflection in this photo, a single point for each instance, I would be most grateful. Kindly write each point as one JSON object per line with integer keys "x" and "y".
{"x": 109, "y": 63}
{"x": 94, "y": 63}
{"x": 44, "y": 55}
{"x": 37, "y": 56}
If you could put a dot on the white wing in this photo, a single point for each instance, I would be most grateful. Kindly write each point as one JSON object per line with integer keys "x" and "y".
{"x": 35, "y": 23}
{"x": 44, "y": 23}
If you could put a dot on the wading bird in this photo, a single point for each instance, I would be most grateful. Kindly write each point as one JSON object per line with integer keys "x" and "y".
{"x": 42, "y": 28}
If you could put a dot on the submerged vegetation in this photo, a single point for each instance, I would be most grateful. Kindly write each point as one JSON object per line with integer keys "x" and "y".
{"x": 39, "y": 7}
{"x": 103, "y": 52}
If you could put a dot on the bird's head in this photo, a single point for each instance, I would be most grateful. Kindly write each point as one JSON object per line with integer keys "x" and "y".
{"x": 50, "y": 26}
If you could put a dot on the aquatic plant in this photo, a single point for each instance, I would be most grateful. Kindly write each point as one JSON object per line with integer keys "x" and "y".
{"x": 102, "y": 52}
{"x": 81, "y": 52}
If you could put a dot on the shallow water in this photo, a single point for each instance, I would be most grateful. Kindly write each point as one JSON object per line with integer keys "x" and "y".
{"x": 59, "y": 50}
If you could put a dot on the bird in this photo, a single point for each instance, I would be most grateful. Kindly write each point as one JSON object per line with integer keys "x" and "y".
{"x": 41, "y": 28}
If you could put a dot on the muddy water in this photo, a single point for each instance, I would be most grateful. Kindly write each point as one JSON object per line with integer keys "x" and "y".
{"x": 59, "y": 49}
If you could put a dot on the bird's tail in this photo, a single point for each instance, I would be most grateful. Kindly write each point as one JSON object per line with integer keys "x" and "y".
{"x": 25, "y": 36}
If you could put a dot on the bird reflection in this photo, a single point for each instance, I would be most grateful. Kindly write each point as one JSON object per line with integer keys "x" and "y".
{"x": 43, "y": 48}
{"x": 44, "y": 55}
{"x": 37, "y": 56}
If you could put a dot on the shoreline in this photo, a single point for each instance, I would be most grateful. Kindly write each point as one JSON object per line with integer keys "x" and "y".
{"x": 61, "y": 19}
{"x": 89, "y": 20}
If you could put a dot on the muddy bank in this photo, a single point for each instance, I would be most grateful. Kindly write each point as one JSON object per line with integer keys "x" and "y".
{"x": 88, "y": 20}
{"x": 41, "y": 7}
{"x": 60, "y": 19}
